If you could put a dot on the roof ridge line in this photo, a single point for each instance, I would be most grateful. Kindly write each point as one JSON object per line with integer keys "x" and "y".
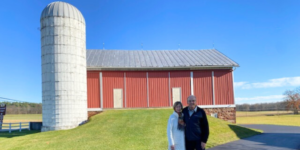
{"x": 151, "y": 50}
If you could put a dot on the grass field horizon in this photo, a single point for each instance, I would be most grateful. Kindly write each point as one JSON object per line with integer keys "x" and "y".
{"x": 243, "y": 117}
{"x": 119, "y": 129}
{"x": 286, "y": 118}
{"x": 12, "y": 118}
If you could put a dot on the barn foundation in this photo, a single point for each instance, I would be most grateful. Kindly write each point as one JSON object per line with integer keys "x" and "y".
{"x": 92, "y": 113}
{"x": 224, "y": 113}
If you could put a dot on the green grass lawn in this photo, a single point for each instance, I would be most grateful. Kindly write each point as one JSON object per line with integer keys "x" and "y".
{"x": 139, "y": 129}
{"x": 289, "y": 120}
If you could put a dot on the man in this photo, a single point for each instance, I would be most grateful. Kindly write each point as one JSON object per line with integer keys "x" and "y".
{"x": 196, "y": 130}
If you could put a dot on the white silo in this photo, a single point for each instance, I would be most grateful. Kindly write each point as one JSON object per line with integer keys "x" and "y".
{"x": 64, "y": 88}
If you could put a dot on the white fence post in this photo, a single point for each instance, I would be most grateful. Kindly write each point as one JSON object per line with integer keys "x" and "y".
{"x": 9, "y": 127}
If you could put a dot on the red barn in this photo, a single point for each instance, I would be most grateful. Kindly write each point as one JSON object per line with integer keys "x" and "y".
{"x": 158, "y": 78}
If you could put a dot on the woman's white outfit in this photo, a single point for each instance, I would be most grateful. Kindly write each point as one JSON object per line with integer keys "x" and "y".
{"x": 175, "y": 136}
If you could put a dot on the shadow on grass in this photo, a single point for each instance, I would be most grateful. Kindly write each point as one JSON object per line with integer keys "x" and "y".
{"x": 243, "y": 132}
{"x": 5, "y": 134}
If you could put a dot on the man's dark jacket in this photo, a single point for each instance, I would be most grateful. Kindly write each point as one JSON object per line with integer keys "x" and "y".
{"x": 196, "y": 125}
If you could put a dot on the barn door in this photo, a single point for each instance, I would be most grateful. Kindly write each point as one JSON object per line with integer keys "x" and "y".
{"x": 118, "y": 98}
{"x": 176, "y": 94}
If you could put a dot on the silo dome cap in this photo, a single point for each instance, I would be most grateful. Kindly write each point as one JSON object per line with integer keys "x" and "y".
{"x": 62, "y": 9}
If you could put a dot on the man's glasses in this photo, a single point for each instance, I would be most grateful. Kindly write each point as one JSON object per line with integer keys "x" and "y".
{"x": 191, "y": 101}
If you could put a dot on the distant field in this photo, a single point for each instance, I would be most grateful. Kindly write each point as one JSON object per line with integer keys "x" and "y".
{"x": 261, "y": 117}
{"x": 289, "y": 120}
{"x": 22, "y": 118}
{"x": 261, "y": 113}
{"x": 141, "y": 129}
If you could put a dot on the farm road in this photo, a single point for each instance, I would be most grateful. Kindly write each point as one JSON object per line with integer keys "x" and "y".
{"x": 274, "y": 137}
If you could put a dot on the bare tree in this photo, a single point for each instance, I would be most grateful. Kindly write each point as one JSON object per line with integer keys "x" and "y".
{"x": 292, "y": 99}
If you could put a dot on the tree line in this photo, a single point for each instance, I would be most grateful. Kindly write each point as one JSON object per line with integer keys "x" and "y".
{"x": 291, "y": 102}
{"x": 262, "y": 106}
{"x": 23, "y": 108}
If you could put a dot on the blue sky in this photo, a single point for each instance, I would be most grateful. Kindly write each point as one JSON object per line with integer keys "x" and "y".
{"x": 262, "y": 36}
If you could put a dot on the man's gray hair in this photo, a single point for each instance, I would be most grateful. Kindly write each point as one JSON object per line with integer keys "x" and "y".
{"x": 191, "y": 96}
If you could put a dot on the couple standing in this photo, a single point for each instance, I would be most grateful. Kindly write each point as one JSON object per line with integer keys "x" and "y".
{"x": 187, "y": 127}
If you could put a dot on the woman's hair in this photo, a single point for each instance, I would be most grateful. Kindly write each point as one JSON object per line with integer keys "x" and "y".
{"x": 177, "y": 103}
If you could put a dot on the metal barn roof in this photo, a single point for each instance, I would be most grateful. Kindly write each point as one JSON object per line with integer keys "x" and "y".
{"x": 139, "y": 59}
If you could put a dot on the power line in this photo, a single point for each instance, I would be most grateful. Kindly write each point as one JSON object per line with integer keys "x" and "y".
{"x": 9, "y": 99}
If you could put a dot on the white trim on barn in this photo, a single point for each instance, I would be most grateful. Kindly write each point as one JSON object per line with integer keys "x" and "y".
{"x": 147, "y": 91}
{"x": 213, "y": 87}
{"x": 101, "y": 90}
{"x": 125, "y": 89}
{"x": 233, "y": 87}
{"x": 154, "y": 69}
{"x": 216, "y": 106}
{"x": 95, "y": 109}
{"x": 192, "y": 83}
{"x": 169, "y": 90}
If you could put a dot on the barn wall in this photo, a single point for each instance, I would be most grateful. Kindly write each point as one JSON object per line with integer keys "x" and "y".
{"x": 158, "y": 87}
{"x": 203, "y": 87}
{"x": 181, "y": 79}
{"x": 158, "y": 84}
{"x": 110, "y": 81}
{"x": 93, "y": 89}
{"x": 136, "y": 89}
{"x": 223, "y": 87}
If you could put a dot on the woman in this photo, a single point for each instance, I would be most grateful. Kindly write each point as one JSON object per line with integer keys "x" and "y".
{"x": 175, "y": 129}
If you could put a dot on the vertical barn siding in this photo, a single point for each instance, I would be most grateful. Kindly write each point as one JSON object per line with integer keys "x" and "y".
{"x": 181, "y": 79}
{"x": 112, "y": 80}
{"x": 93, "y": 90}
{"x": 136, "y": 89}
{"x": 203, "y": 87}
{"x": 223, "y": 87}
{"x": 158, "y": 89}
